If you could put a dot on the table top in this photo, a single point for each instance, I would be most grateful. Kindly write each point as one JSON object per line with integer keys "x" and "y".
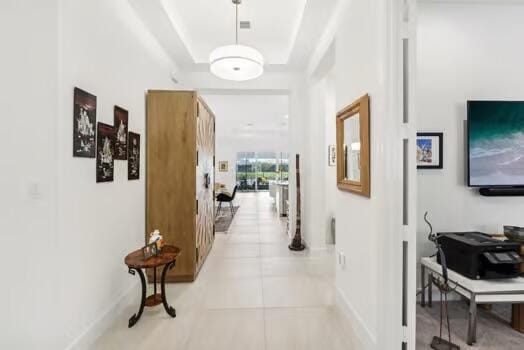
{"x": 167, "y": 255}
{"x": 477, "y": 286}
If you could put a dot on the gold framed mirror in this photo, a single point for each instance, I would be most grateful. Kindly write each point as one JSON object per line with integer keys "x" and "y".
{"x": 353, "y": 156}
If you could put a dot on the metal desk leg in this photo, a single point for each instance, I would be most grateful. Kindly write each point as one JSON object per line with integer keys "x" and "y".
{"x": 423, "y": 285}
{"x": 430, "y": 290}
{"x": 472, "y": 324}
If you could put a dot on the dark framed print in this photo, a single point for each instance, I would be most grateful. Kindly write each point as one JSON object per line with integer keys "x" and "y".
{"x": 430, "y": 150}
{"x": 150, "y": 250}
{"x": 84, "y": 124}
{"x": 332, "y": 155}
{"x": 105, "y": 150}
{"x": 223, "y": 166}
{"x": 133, "y": 157}
{"x": 121, "y": 125}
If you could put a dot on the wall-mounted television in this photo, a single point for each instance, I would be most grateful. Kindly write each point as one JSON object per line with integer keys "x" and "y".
{"x": 496, "y": 144}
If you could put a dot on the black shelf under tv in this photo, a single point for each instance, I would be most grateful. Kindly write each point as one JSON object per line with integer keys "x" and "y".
{"x": 502, "y": 191}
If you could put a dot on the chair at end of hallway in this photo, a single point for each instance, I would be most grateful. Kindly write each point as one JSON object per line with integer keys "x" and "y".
{"x": 226, "y": 198}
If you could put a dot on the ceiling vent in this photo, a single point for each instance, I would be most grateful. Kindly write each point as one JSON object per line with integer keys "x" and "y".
{"x": 245, "y": 25}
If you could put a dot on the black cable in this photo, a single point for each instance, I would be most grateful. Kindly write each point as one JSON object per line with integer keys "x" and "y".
{"x": 447, "y": 317}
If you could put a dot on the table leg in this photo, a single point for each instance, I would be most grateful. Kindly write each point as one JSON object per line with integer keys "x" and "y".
{"x": 134, "y": 319}
{"x": 430, "y": 290}
{"x": 170, "y": 310}
{"x": 423, "y": 285}
{"x": 472, "y": 324}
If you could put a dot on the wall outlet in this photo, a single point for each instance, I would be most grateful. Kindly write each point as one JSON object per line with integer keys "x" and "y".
{"x": 342, "y": 260}
{"x": 34, "y": 190}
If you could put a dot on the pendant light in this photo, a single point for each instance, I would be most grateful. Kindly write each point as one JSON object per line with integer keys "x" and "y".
{"x": 236, "y": 62}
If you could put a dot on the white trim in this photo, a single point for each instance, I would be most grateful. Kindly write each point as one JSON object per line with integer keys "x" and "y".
{"x": 91, "y": 333}
{"x": 365, "y": 337}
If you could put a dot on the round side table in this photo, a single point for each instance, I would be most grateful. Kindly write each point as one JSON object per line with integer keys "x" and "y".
{"x": 135, "y": 262}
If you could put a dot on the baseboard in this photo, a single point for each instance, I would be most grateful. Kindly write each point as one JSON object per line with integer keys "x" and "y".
{"x": 366, "y": 338}
{"x": 86, "y": 339}
{"x": 325, "y": 247}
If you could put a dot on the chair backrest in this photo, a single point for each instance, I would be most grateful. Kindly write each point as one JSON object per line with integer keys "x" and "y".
{"x": 234, "y": 192}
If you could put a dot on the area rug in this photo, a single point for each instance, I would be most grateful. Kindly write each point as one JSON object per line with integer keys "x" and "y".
{"x": 223, "y": 219}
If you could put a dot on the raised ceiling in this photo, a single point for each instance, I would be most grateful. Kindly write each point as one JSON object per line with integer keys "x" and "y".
{"x": 242, "y": 116}
{"x": 284, "y": 31}
{"x": 206, "y": 24}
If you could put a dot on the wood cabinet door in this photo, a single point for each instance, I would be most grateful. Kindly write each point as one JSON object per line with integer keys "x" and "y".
{"x": 171, "y": 162}
{"x": 205, "y": 180}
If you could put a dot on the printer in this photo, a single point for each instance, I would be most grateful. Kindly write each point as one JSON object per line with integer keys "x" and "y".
{"x": 477, "y": 255}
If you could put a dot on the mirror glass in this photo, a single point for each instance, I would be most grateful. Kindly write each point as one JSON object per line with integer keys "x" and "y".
{"x": 352, "y": 148}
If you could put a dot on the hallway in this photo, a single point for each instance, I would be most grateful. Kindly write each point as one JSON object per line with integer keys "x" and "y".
{"x": 252, "y": 293}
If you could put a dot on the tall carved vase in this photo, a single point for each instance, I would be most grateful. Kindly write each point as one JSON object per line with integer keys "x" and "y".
{"x": 297, "y": 244}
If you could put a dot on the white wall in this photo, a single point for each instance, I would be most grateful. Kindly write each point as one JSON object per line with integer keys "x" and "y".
{"x": 369, "y": 229}
{"x": 465, "y": 51}
{"x": 330, "y": 172}
{"x": 319, "y": 179}
{"x": 28, "y": 177}
{"x": 78, "y": 232}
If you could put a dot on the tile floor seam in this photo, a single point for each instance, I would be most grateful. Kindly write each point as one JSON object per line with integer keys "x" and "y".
{"x": 262, "y": 291}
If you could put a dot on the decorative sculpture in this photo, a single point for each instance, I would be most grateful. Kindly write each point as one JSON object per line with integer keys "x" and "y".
{"x": 438, "y": 342}
{"x": 297, "y": 244}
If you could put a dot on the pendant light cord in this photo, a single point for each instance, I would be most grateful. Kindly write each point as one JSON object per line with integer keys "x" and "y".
{"x": 236, "y": 23}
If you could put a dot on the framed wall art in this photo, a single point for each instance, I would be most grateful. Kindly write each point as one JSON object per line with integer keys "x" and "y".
{"x": 133, "y": 156}
{"x": 223, "y": 166}
{"x": 332, "y": 155}
{"x": 121, "y": 123}
{"x": 430, "y": 148}
{"x": 84, "y": 124}
{"x": 105, "y": 150}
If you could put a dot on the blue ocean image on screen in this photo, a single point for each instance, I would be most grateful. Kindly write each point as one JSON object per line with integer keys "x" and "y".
{"x": 496, "y": 143}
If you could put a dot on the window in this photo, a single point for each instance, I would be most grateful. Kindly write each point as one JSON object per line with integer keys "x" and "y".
{"x": 255, "y": 170}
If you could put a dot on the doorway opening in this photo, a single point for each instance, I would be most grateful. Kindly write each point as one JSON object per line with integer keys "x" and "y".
{"x": 257, "y": 171}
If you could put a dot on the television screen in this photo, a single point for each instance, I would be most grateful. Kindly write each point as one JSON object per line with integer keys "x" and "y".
{"x": 496, "y": 143}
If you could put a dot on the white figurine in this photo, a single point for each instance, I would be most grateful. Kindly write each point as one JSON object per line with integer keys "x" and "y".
{"x": 155, "y": 236}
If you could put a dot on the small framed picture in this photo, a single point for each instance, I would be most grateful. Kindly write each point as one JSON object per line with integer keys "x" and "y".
{"x": 133, "y": 156}
{"x": 332, "y": 155}
{"x": 105, "y": 153}
{"x": 430, "y": 148}
{"x": 121, "y": 123}
{"x": 223, "y": 166}
{"x": 84, "y": 124}
{"x": 150, "y": 250}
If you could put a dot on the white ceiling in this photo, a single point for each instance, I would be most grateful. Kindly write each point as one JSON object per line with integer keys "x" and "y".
{"x": 206, "y": 24}
{"x": 244, "y": 116}
{"x": 284, "y": 31}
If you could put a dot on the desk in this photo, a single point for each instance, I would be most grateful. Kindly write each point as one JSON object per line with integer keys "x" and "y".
{"x": 509, "y": 290}
{"x": 135, "y": 262}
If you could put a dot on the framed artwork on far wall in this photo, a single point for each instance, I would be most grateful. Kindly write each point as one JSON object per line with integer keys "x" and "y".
{"x": 430, "y": 154}
{"x": 133, "y": 156}
{"x": 105, "y": 151}
{"x": 332, "y": 155}
{"x": 223, "y": 166}
{"x": 84, "y": 124}
{"x": 121, "y": 123}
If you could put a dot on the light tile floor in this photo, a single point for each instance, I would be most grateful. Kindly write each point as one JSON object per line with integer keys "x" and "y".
{"x": 251, "y": 294}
